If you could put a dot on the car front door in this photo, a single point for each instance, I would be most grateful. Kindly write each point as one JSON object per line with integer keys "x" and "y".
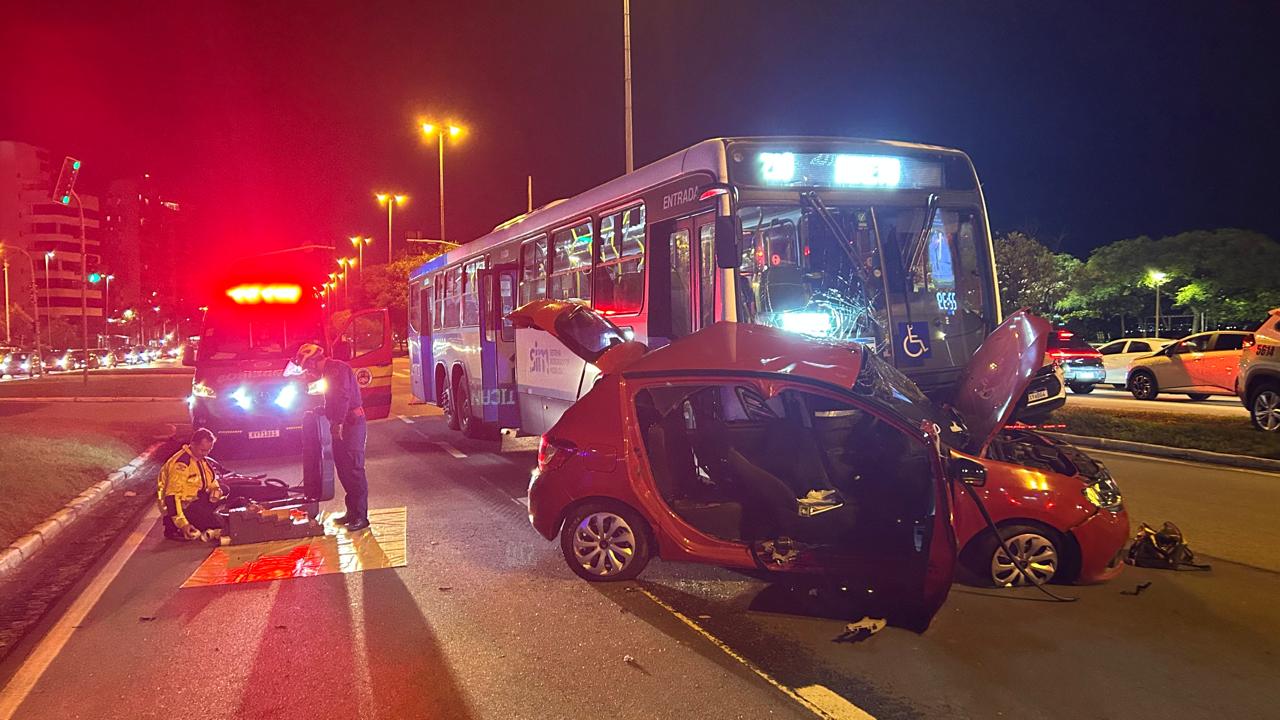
{"x": 1179, "y": 367}
{"x": 367, "y": 335}
{"x": 1115, "y": 361}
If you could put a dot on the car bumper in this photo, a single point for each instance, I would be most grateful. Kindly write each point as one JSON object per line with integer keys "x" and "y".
{"x": 546, "y": 504}
{"x": 1101, "y": 539}
{"x": 1089, "y": 375}
{"x": 229, "y": 423}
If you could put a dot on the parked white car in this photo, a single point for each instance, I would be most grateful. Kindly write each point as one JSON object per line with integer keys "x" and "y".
{"x": 1199, "y": 365}
{"x": 1117, "y": 354}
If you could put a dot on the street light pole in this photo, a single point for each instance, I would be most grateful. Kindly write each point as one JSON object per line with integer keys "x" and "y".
{"x": 106, "y": 308}
{"x": 35, "y": 302}
{"x": 84, "y": 289}
{"x": 48, "y": 296}
{"x": 1157, "y": 278}
{"x": 391, "y": 199}
{"x": 8, "y": 324}
{"x": 626, "y": 75}
{"x": 439, "y": 131}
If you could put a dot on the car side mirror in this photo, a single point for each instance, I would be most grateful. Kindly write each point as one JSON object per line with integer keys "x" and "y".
{"x": 189, "y": 355}
{"x": 968, "y": 471}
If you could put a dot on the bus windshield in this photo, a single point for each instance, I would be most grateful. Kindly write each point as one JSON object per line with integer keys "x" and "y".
{"x": 850, "y": 276}
{"x": 259, "y": 339}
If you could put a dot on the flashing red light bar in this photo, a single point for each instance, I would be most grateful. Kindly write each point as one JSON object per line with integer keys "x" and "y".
{"x": 1065, "y": 334}
{"x": 272, "y": 294}
{"x": 713, "y": 192}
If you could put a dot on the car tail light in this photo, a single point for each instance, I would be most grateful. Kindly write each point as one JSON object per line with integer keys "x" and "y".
{"x": 1061, "y": 355}
{"x": 553, "y": 453}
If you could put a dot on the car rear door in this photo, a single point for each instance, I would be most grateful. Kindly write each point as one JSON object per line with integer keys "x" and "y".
{"x": 369, "y": 334}
{"x": 1220, "y": 364}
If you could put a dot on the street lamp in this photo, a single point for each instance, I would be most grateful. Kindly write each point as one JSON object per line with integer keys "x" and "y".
{"x": 453, "y": 131}
{"x": 35, "y": 309}
{"x": 1157, "y": 278}
{"x": 48, "y": 296}
{"x": 390, "y": 200}
{"x": 359, "y": 242}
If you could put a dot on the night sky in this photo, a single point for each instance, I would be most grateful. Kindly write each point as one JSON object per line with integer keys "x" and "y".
{"x": 277, "y": 120}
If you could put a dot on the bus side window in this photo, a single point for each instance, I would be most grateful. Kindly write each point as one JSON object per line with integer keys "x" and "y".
{"x": 619, "y": 274}
{"x": 471, "y": 293}
{"x": 424, "y": 310}
{"x": 533, "y": 270}
{"x": 571, "y": 263}
{"x": 453, "y": 297}
{"x": 437, "y": 310}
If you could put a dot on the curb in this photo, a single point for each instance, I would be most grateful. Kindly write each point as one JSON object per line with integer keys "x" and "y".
{"x": 30, "y": 544}
{"x": 1163, "y": 451}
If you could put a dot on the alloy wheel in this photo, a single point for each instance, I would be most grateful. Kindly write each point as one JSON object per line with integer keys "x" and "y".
{"x": 1142, "y": 385}
{"x": 603, "y": 544}
{"x": 1038, "y": 555}
{"x": 1266, "y": 410}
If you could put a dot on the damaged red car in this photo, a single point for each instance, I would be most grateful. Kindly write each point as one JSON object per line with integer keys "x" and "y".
{"x": 751, "y": 448}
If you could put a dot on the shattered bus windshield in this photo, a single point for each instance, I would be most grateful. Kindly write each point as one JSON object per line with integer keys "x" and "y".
{"x": 849, "y": 276}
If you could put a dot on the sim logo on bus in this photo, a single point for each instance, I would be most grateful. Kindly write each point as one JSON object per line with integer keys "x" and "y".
{"x": 254, "y": 294}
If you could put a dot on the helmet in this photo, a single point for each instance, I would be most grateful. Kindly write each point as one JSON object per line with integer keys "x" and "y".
{"x": 308, "y": 357}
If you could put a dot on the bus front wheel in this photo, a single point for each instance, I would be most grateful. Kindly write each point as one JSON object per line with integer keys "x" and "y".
{"x": 465, "y": 419}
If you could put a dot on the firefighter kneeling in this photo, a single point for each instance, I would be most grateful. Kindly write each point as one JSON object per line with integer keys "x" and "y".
{"x": 188, "y": 491}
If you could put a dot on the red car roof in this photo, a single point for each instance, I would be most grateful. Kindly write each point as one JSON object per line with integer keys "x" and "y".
{"x": 740, "y": 347}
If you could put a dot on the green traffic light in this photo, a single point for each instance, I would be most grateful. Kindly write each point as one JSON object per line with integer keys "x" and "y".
{"x": 95, "y": 277}
{"x": 75, "y": 165}
{"x": 66, "y": 199}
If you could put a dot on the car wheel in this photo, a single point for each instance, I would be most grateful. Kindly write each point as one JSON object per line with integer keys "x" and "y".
{"x": 446, "y": 403}
{"x": 1143, "y": 385}
{"x": 605, "y": 542}
{"x": 1081, "y": 389}
{"x": 1039, "y": 548}
{"x": 1264, "y": 407}
{"x": 1198, "y": 396}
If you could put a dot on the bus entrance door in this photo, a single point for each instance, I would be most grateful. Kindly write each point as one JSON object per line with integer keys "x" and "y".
{"x": 367, "y": 335}
{"x": 498, "y": 346}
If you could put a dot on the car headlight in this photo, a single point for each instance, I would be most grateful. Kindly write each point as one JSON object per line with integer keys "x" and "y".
{"x": 287, "y": 396}
{"x": 62, "y": 363}
{"x": 1104, "y": 493}
{"x": 242, "y": 398}
{"x": 203, "y": 391}
{"x": 26, "y": 364}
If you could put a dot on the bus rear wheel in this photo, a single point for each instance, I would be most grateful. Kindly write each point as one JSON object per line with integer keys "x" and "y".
{"x": 467, "y": 423}
{"x": 446, "y": 404}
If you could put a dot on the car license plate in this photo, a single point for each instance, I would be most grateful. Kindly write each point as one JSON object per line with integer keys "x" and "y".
{"x": 262, "y": 434}
{"x": 1038, "y": 395}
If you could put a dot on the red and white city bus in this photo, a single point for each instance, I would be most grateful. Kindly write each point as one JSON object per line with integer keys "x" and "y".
{"x": 257, "y": 317}
{"x": 881, "y": 243}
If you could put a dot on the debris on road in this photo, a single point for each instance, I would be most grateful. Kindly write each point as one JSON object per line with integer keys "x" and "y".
{"x": 628, "y": 660}
{"x": 444, "y": 588}
{"x": 1165, "y": 549}
{"x": 146, "y": 618}
{"x": 861, "y": 630}
{"x": 1137, "y": 590}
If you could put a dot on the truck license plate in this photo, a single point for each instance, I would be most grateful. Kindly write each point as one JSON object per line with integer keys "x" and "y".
{"x": 1037, "y": 395}
{"x": 261, "y": 434}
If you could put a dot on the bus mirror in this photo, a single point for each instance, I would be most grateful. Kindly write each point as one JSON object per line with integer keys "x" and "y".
{"x": 726, "y": 242}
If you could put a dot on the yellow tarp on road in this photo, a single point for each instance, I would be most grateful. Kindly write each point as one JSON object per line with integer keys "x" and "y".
{"x": 383, "y": 545}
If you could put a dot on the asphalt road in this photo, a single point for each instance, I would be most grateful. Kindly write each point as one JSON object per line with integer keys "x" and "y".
{"x": 486, "y": 621}
{"x": 1226, "y": 406}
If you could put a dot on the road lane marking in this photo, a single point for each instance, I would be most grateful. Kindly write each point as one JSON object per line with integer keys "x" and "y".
{"x": 451, "y": 449}
{"x": 406, "y": 420}
{"x": 817, "y": 699}
{"x": 25, "y": 679}
{"x": 524, "y": 501}
{"x": 1190, "y": 463}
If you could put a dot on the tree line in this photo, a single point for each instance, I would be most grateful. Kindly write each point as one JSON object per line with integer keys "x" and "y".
{"x": 1224, "y": 276}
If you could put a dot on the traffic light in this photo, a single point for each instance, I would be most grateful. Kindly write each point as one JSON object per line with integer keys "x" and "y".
{"x": 66, "y": 180}
{"x": 95, "y": 278}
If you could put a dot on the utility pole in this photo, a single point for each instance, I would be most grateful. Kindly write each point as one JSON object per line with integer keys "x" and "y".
{"x": 626, "y": 76}
{"x": 530, "y": 194}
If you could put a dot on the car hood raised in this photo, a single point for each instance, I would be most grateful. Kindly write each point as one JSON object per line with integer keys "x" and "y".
{"x": 997, "y": 376}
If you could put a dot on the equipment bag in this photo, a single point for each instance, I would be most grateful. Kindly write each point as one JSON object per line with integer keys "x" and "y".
{"x": 1164, "y": 549}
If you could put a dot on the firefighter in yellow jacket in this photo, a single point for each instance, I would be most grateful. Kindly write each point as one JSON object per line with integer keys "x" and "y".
{"x": 188, "y": 491}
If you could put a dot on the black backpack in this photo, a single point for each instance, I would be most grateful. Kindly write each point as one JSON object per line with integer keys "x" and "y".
{"x": 1164, "y": 549}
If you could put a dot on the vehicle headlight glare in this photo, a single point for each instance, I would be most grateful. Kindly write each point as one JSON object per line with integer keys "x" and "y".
{"x": 242, "y": 398}
{"x": 318, "y": 387}
{"x": 287, "y": 397}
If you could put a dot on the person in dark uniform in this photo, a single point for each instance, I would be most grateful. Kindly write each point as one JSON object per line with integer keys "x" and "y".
{"x": 336, "y": 382}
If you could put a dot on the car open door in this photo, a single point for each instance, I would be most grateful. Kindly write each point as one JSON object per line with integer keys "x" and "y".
{"x": 367, "y": 334}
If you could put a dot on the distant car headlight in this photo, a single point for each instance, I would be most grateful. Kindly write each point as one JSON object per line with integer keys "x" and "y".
{"x": 242, "y": 398}
{"x": 287, "y": 396}
{"x": 203, "y": 391}
{"x": 26, "y": 365}
{"x": 61, "y": 362}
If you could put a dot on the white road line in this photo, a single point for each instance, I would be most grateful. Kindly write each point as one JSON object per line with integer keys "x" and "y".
{"x": 407, "y": 420}
{"x": 817, "y": 699}
{"x": 23, "y": 681}
{"x": 1191, "y": 463}
{"x": 449, "y": 449}
{"x": 523, "y": 501}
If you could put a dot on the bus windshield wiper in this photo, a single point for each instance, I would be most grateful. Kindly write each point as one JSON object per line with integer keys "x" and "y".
{"x": 915, "y": 254}
{"x": 813, "y": 202}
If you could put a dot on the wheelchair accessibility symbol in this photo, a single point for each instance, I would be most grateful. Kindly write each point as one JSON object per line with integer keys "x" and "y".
{"x": 913, "y": 342}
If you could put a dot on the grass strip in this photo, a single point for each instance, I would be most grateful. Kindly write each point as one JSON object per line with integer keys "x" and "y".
{"x": 1233, "y": 436}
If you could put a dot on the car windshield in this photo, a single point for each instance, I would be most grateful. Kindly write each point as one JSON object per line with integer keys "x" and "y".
{"x": 844, "y": 273}
{"x": 263, "y": 339}
{"x": 885, "y": 385}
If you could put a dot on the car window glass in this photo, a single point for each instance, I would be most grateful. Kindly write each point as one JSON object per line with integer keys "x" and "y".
{"x": 1137, "y": 346}
{"x": 1112, "y": 348}
{"x": 1229, "y": 341}
{"x": 587, "y": 334}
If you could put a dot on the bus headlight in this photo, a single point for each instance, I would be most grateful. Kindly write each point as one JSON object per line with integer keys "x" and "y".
{"x": 814, "y": 324}
{"x": 201, "y": 390}
{"x": 287, "y": 396}
{"x": 242, "y": 398}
